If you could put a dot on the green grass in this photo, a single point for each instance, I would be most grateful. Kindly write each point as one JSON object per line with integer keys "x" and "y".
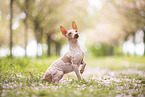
{"x": 128, "y": 78}
{"x": 117, "y": 63}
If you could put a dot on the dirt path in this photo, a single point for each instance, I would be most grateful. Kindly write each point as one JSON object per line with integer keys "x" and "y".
{"x": 98, "y": 72}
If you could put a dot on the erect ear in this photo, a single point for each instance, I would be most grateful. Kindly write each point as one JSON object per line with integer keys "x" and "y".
{"x": 74, "y": 26}
{"x": 63, "y": 30}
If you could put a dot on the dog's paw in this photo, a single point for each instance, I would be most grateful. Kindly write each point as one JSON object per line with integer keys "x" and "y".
{"x": 81, "y": 71}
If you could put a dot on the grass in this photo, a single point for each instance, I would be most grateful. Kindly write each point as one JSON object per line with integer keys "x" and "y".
{"x": 104, "y": 77}
{"x": 117, "y": 63}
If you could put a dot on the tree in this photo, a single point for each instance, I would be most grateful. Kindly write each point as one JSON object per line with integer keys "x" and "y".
{"x": 11, "y": 31}
{"x": 134, "y": 14}
{"x": 37, "y": 16}
{"x": 26, "y": 23}
{"x": 24, "y": 6}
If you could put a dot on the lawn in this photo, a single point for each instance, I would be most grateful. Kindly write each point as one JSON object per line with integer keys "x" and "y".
{"x": 103, "y": 77}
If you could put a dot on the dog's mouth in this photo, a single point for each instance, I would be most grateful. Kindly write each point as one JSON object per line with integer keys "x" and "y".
{"x": 76, "y": 36}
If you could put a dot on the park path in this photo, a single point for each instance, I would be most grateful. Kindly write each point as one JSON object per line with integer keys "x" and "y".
{"x": 108, "y": 77}
{"x": 99, "y": 72}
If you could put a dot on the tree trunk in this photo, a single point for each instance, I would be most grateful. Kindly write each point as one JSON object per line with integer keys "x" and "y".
{"x": 57, "y": 48}
{"x": 49, "y": 45}
{"x": 11, "y": 31}
{"x": 38, "y": 34}
{"x": 126, "y": 37}
{"x": 133, "y": 35}
{"x": 39, "y": 39}
{"x": 26, "y": 24}
{"x": 39, "y": 49}
{"x": 26, "y": 38}
{"x": 144, "y": 40}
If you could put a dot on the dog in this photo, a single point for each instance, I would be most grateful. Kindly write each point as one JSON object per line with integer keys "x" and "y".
{"x": 70, "y": 61}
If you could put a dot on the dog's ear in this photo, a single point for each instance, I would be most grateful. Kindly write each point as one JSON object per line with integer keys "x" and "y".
{"x": 74, "y": 26}
{"x": 63, "y": 30}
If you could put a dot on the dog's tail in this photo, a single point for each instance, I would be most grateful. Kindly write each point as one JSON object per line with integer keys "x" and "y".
{"x": 31, "y": 74}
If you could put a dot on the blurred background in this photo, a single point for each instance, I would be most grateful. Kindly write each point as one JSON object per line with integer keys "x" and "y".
{"x": 31, "y": 28}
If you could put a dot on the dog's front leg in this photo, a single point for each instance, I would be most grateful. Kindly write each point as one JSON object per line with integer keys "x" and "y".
{"x": 75, "y": 67}
{"x": 83, "y": 67}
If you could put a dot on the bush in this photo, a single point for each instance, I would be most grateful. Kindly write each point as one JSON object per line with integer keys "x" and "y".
{"x": 101, "y": 50}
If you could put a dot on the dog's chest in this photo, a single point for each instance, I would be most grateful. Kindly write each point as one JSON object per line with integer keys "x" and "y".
{"x": 76, "y": 55}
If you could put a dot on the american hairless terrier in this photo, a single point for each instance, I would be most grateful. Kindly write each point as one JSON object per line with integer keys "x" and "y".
{"x": 70, "y": 61}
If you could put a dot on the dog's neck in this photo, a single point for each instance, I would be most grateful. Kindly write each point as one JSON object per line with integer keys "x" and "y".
{"x": 73, "y": 44}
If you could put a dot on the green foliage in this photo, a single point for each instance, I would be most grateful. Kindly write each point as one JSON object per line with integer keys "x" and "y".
{"x": 15, "y": 80}
{"x": 101, "y": 50}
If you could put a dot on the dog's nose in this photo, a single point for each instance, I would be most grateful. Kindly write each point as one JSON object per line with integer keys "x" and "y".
{"x": 76, "y": 35}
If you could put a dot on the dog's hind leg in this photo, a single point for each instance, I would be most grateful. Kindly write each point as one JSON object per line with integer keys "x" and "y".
{"x": 57, "y": 76}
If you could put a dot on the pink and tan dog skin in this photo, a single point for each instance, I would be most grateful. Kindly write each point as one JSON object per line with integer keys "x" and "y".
{"x": 70, "y": 62}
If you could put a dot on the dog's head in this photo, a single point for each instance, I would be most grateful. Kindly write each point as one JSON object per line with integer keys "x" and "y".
{"x": 70, "y": 34}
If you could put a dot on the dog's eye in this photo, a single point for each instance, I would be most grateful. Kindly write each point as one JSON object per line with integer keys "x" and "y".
{"x": 69, "y": 33}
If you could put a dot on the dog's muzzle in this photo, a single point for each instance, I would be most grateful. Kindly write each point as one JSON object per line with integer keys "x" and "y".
{"x": 76, "y": 36}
